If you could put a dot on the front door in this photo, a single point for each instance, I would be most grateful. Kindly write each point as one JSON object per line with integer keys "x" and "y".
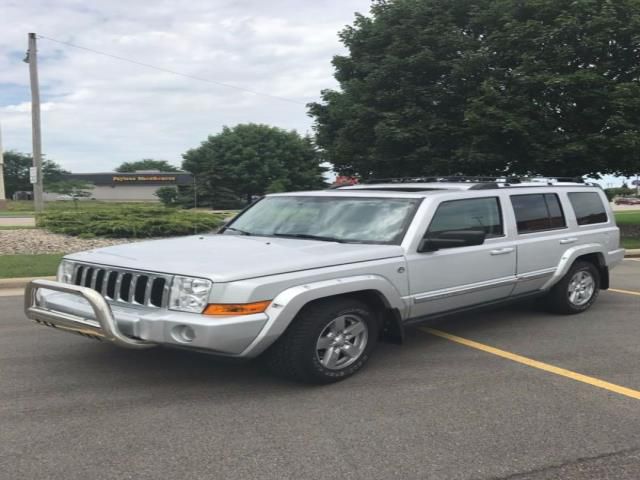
{"x": 452, "y": 278}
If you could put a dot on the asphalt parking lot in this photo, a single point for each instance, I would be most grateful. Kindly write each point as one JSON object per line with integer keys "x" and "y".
{"x": 434, "y": 408}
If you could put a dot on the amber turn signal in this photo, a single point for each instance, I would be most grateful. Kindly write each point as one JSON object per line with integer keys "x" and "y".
{"x": 236, "y": 308}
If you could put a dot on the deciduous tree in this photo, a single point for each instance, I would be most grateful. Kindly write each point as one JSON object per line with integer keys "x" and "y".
{"x": 486, "y": 86}
{"x": 251, "y": 159}
{"x": 16, "y": 172}
{"x": 147, "y": 164}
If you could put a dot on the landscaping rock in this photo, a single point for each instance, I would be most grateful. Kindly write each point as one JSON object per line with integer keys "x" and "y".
{"x": 36, "y": 241}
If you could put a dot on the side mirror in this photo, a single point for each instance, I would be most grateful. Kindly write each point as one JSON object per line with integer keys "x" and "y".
{"x": 451, "y": 239}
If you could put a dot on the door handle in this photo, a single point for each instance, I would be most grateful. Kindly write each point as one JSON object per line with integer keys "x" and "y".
{"x": 501, "y": 251}
{"x": 564, "y": 241}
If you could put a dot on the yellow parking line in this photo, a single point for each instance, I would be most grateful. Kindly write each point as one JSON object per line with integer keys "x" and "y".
{"x": 536, "y": 364}
{"x": 626, "y": 292}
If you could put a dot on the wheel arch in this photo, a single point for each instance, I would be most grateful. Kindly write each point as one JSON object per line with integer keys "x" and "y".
{"x": 374, "y": 290}
{"x": 389, "y": 318}
{"x": 597, "y": 259}
{"x": 591, "y": 252}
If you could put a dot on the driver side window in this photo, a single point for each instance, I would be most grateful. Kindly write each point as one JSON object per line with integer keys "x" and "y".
{"x": 468, "y": 215}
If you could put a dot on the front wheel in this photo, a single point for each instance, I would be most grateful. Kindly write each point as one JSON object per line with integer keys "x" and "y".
{"x": 328, "y": 341}
{"x": 577, "y": 290}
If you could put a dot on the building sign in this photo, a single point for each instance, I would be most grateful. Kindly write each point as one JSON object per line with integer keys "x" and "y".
{"x": 143, "y": 178}
{"x": 116, "y": 179}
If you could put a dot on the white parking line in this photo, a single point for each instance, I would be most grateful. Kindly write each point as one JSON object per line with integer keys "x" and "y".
{"x": 632, "y": 259}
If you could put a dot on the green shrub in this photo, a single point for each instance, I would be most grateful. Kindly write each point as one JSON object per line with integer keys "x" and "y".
{"x": 612, "y": 193}
{"x": 128, "y": 222}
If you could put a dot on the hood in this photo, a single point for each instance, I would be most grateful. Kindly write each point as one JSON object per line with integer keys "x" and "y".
{"x": 226, "y": 258}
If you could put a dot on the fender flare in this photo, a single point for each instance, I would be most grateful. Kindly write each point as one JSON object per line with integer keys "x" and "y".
{"x": 289, "y": 302}
{"x": 567, "y": 260}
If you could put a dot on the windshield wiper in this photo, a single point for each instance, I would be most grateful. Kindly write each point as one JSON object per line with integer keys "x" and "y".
{"x": 234, "y": 229}
{"x": 307, "y": 236}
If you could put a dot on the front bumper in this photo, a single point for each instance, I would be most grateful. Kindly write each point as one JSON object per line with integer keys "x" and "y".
{"x": 84, "y": 311}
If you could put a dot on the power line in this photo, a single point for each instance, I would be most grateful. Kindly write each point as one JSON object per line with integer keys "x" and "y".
{"x": 167, "y": 70}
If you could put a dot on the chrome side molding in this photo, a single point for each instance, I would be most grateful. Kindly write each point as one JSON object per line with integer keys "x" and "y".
{"x": 104, "y": 326}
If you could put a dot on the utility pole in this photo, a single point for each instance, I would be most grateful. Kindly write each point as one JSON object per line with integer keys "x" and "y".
{"x": 3, "y": 198}
{"x": 32, "y": 60}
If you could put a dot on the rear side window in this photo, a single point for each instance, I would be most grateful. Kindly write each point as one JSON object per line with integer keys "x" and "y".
{"x": 588, "y": 207}
{"x": 469, "y": 214}
{"x": 538, "y": 212}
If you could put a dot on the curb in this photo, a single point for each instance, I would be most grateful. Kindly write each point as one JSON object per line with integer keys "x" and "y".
{"x": 632, "y": 252}
{"x": 19, "y": 282}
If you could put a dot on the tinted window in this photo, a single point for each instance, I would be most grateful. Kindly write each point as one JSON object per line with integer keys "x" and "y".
{"x": 588, "y": 207}
{"x": 471, "y": 214}
{"x": 537, "y": 212}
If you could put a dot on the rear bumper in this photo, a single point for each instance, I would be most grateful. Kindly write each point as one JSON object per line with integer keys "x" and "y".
{"x": 614, "y": 257}
{"x": 84, "y": 311}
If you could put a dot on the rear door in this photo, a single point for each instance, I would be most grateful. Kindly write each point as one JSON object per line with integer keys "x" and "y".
{"x": 543, "y": 237}
{"x": 453, "y": 278}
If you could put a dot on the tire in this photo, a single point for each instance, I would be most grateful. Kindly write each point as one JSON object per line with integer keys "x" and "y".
{"x": 300, "y": 354}
{"x": 577, "y": 290}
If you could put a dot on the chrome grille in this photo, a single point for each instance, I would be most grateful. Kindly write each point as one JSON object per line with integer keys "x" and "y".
{"x": 125, "y": 286}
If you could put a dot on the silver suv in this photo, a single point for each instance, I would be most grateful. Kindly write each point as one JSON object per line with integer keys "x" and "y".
{"x": 312, "y": 280}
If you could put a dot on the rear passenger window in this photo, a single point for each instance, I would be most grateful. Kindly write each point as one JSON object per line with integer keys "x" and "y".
{"x": 588, "y": 207}
{"x": 538, "y": 212}
{"x": 469, "y": 214}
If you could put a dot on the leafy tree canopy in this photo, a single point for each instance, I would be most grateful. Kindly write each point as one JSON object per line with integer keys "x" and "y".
{"x": 251, "y": 159}
{"x": 486, "y": 86}
{"x": 147, "y": 164}
{"x": 16, "y": 172}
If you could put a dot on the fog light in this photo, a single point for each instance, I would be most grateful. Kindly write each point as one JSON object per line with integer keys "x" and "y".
{"x": 183, "y": 333}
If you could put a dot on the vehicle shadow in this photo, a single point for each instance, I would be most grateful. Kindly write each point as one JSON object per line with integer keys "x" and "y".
{"x": 163, "y": 370}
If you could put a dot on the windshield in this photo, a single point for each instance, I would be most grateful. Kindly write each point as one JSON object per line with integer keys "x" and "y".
{"x": 338, "y": 219}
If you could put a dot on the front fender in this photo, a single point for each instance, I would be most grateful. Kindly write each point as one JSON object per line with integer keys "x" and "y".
{"x": 567, "y": 260}
{"x": 288, "y": 303}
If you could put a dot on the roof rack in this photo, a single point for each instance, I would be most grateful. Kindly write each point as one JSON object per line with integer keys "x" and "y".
{"x": 488, "y": 182}
{"x": 501, "y": 179}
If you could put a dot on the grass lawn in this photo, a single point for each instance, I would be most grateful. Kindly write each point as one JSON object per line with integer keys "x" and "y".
{"x": 16, "y": 227}
{"x": 628, "y": 218}
{"x": 18, "y": 206}
{"x": 15, "y": 266}
{"x": 630, "y": 242}
{"x": 9, "y": 213}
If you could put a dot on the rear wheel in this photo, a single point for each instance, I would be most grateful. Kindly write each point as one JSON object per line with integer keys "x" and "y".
{"x": 577, "y": 290}
{"x": 328, "y": 341}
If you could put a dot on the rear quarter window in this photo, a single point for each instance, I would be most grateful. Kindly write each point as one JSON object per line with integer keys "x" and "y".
{"x": 588, "y": 208}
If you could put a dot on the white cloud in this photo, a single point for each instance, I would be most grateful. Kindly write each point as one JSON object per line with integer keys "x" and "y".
{"x": 98, "y": 111}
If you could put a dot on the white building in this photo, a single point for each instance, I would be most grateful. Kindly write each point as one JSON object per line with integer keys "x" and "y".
{"x": 128, "y": 187}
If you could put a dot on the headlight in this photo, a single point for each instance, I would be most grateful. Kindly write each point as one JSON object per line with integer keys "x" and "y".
{"x": 65, "y": 272}
{"x": 189, "y": 294}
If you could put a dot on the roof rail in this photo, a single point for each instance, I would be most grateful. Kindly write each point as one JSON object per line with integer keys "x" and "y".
{"x": 443, "y": 178}
{"x": 492, "y": 180}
